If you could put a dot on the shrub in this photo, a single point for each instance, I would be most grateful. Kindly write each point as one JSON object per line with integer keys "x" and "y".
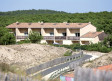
{"x": 35, "y": 37}
{"x": 7, "y": 38}
{"x": 24, "y": 41}
{"x": 6, "y": 68}
{"x": 92, "y": 47}
{"x": 68, "y": 53}
{"x": 104, "y": 49}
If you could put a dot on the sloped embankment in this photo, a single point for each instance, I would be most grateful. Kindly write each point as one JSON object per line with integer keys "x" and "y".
{"x": 106, "y": 59}
{"x": 28, "y": 55}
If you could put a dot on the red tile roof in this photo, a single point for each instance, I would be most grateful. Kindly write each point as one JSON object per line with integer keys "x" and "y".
{"x": 107, "y": 67}
{"x": 70, "y": 75}
{"x": 91, "y": 34}
{"x": 47, "y": 25}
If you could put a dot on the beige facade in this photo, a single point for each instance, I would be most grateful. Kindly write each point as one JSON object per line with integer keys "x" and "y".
{"x": 86, "y": 29}
{"x": 62, "y": 35}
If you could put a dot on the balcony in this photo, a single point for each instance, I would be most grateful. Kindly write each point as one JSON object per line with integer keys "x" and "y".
{"x": 73, "y": 38}
{"x": 52, "y": 37}
{"x": 60, "y": 37}
{"x": 22, "y": 37}
{"x": 48, "y": 37}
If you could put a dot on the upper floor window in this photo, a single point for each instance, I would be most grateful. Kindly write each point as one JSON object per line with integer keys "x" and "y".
{"x": 51, "y": 34}
{"x": 26, "y": 33}
{"x": 77, "y": 34}
{"x": 64, "y": 34}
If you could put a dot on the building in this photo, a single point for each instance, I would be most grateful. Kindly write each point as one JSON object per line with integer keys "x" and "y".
{"x": 62, "y": 33}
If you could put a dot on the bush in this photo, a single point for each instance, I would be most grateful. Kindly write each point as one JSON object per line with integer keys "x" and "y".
{"x": 68, "y": 53}
{"x": 7, "y": 38}
{"x": 6, "y": 68}
{"x": 35, "y": 37}
{"x": 92, "y": 47}
{"x": 104, "y": 49}
{"x": 23, "y": 41}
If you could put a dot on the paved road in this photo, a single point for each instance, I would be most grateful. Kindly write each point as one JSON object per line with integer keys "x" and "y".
{"x": 45, "y": 72}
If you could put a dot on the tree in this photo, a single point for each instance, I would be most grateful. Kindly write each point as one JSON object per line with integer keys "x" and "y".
{"x": 7, "y": 38}
{"x": 108, "y": 41}
{"x": 35, "y": 37}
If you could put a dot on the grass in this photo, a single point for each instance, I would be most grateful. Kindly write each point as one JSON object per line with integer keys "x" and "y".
{"x": 11, "y": 68}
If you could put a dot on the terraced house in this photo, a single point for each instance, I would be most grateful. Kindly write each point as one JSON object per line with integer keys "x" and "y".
{"x": 62, "y": 33}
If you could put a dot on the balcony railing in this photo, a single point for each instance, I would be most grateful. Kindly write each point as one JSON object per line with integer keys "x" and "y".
{"x": 73, "y": 38}
{"x": 48, "y": 37}
{"x": 52, "y": 37}
{"x": 60, "y": 37}
{"x": 22, "y": 37}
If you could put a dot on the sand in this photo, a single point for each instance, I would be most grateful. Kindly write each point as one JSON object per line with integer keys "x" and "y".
{"x": 29, "y": 55}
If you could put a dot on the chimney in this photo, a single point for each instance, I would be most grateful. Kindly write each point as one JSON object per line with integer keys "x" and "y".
{"x": 17, "y": 23}
{"x": 39, "y": 22}
{"x": 65, "y": 22}
{"x": 89, "y": 22}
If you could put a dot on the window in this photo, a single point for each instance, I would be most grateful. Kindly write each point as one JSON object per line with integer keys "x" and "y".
{"x": 64, "y": 34}
{"x": 51, "y": 34}
{"x": 77, "y": 34}
{"x": 26, "y": 33}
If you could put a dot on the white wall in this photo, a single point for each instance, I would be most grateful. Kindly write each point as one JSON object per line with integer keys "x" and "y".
{"x": 86, "y": 29}
{"x": 67, "y": 42}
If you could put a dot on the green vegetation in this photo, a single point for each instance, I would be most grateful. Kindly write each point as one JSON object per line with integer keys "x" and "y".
{"x": 35, "y": 37}
{"x": 10, "y": 68}
{"x": 24, "y": 41}
{"x": 68, "y": 53}
{"x": 33, "y": 11}
{"x": 102, "y": 20}
{"x": 96, "y": 47}
{"x": 6, "y": 37}
{"x": 92, "y": 47}
{"x": 5, "y": 67}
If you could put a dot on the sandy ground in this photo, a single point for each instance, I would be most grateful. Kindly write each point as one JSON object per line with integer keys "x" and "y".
{"x": 28, "y": 55}
{"x": 99, "y": 59}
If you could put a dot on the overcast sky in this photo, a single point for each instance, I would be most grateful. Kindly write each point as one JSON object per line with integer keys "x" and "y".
{"x": 72, "y": 6}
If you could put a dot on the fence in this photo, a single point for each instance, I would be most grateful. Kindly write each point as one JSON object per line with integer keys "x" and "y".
{"x": 86, "y": 74}
{"x": 53, "y": 62}
{"x": 79, "y": 62}
{"x": 13, "y": 77}
{"x": 70, "y": 66}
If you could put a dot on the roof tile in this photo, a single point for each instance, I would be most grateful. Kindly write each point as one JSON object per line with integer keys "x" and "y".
{"x": 47, "y": 25}
{"x": 91, "y": 34}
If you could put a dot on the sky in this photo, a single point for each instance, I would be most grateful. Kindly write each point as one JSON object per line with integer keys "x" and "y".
{"x": 71, "y": 6}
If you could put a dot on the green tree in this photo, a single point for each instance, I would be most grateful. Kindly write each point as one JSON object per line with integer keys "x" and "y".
{"x": 35, "y": 37}
{"x": 108, "y": 41}
{"x": 7, "y": 38}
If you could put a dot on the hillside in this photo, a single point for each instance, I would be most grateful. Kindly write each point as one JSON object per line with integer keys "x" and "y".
{"x": 102, "y": 20}
{"x": 31, "y": 12}
{"x": 28, "y": 55}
